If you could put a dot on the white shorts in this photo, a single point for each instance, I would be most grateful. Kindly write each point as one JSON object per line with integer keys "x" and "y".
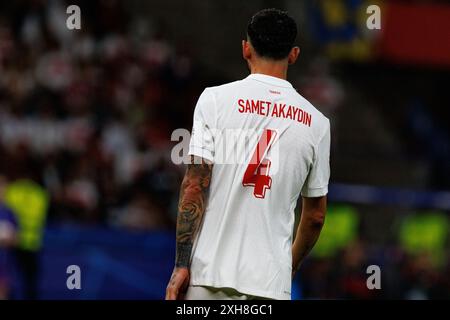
{"x": 211, "y": 293}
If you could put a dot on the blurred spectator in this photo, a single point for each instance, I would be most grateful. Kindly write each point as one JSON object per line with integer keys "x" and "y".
{"x": 8, "y": 239}
{"x": 29, "y": 202}
{"x": 321, "y": 88}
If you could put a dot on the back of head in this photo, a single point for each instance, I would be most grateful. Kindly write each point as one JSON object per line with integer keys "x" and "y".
{"x": 272, "y": 33}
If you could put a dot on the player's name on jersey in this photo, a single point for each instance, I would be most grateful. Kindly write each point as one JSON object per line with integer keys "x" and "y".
{"x": 274, "y": 110}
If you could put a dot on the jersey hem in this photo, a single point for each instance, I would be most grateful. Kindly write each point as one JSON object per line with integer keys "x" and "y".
{"x": 240, "y": 289}
{"x": 315, "y": 192}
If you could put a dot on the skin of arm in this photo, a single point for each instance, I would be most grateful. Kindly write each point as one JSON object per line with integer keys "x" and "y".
{"x": 191, "y": 208}
{"x": 308, "y": 231}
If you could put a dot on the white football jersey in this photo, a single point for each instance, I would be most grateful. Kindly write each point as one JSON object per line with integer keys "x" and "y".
{"x": 268, "y": 145}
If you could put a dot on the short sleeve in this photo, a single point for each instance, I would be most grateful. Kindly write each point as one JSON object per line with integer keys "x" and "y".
{"x": 202, "y": 139}
{"x": 316, "y": 184}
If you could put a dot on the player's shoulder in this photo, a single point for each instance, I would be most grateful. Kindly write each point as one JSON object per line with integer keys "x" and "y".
{"x": 214, "y": 96}
{"x": 226, "y": 87}
{"x": 321, "y": 121}
{"x": 221, "y": 94}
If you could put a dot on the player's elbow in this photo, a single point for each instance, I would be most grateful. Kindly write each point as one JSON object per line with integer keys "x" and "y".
{"x": 314, "y": 210}
{"x": 316, "y": 219}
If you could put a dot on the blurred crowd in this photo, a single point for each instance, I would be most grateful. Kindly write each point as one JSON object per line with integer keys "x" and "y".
{"x": 88, "y": 113}
{"x": 403, "y": 275}
{"x": 85, "y": 123}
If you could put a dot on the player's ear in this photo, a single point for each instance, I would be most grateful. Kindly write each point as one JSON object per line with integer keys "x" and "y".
{"x": 293, "y": 55}
{"x": 246, "y": 51}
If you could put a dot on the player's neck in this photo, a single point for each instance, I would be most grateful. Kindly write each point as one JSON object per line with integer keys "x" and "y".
{"x": 273, "y": 69}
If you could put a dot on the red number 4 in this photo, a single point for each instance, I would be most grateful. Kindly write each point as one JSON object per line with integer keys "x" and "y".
{"x": 257, "y": 173}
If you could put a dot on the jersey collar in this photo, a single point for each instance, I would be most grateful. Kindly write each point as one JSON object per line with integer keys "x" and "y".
{"x": 270, "y": 80}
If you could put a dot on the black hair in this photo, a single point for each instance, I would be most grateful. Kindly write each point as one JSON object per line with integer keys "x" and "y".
{"x": 272, "y": 33}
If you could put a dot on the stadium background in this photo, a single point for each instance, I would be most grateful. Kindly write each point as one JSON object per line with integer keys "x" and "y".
{"x": 86, "y": 118}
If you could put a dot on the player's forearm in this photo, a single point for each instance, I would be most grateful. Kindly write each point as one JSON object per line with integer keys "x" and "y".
{"x": 307, "y": 234}
{"x": 191, "y": 208}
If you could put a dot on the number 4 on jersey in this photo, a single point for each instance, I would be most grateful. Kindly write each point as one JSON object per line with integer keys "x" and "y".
{"x": 257, "y": 173}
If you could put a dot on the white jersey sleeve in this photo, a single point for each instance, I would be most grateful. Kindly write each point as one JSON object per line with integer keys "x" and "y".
{"x": 316, "y": 184}
{"x": 202, "y": 140}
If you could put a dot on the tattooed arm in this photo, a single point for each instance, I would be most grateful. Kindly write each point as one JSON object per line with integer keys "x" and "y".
{"x": 191, "y": 207}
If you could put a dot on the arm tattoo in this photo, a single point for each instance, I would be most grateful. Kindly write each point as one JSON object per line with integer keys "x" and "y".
{"x": 191, "y": 207}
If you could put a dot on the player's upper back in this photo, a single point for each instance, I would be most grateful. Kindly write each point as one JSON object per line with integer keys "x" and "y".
{"x": 261, "y": 127}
